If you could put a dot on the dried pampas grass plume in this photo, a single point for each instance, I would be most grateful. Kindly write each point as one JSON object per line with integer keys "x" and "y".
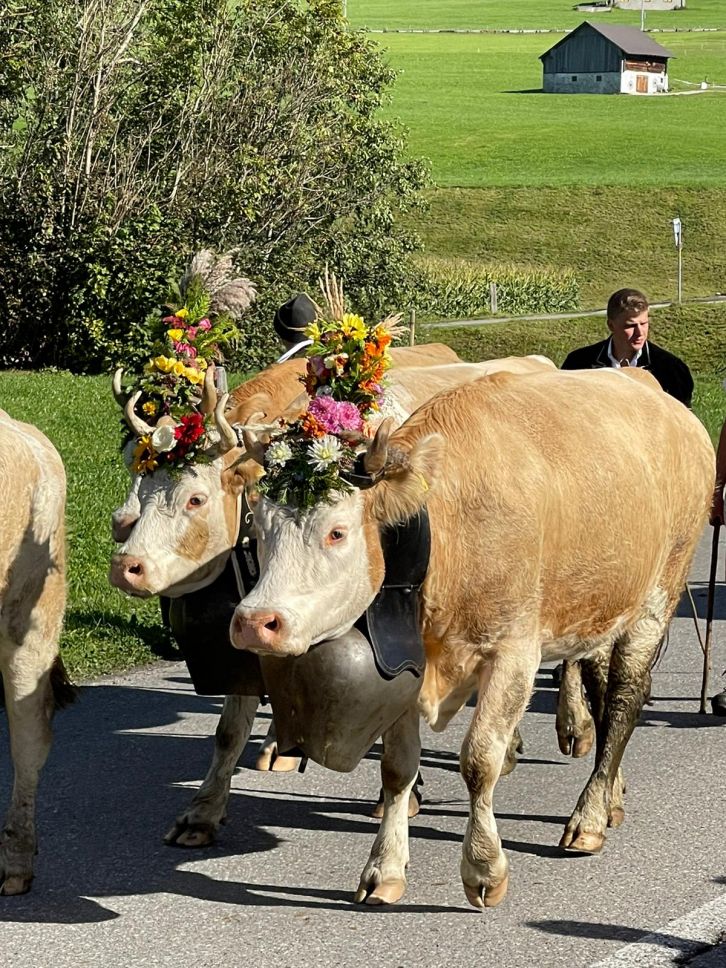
{"x": 229, "y": 292}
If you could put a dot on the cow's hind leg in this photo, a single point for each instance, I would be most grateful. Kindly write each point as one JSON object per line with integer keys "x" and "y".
{"x": 269, "y": 756}
{"x": 197, "y": 825}
{"x": 505, "y": 687}
{"x": 575, "y": 728}
{"x": 26, "y": 671}
{"x": 628, "y": 684}
{"x": 383, "y": 880}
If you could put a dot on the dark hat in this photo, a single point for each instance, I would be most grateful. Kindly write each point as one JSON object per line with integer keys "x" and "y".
{"x": 292, "y": 318}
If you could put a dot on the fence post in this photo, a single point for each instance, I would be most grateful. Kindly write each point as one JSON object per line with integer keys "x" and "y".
{"x": 492, "y": 297}
{"x": 412, "y": 327}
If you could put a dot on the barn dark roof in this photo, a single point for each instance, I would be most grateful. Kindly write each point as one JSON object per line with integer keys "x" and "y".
{"x": 630, "y": 40}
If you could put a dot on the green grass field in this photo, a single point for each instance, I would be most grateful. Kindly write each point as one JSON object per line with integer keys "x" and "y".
{"x": 518, "y": 14}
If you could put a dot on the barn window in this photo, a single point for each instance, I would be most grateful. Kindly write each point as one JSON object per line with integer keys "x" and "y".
{"x": 574, "y": 78}
{"x": 598, "y": 77}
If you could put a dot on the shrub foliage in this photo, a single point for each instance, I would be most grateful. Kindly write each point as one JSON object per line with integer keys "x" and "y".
{"x": 134, "y": 132}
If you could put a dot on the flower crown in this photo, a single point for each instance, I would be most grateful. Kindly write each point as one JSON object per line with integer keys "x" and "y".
{"x": 307, "y": 461}
{"x": 176, "y": 390}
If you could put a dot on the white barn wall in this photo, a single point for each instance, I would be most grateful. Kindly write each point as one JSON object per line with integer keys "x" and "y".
{"x": 657, "y": 83}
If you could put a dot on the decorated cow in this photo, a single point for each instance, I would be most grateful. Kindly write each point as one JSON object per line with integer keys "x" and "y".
{"x": 534, "y": 555}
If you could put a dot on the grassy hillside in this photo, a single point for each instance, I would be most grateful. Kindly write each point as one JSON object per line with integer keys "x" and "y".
{"x": 503, "y": 14}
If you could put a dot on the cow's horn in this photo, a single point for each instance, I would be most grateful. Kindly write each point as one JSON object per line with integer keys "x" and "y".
{"x": 227, "y": 436}
{"x": 139, "y": 426}
{"x": 209, "y": 393}
{"x": 117, "y": 388}
{"x": 375, "y": 457}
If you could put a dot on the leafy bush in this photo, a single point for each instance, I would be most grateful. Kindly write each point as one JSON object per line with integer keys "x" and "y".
{"x": 135, "y": 132}
{"x": 455, "y": 289}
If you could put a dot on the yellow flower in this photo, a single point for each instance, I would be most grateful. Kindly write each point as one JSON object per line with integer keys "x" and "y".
{"x": 149, "y": 407}
{"x": 312, "y": 331}
{"x": 194, "y": 376}
{"x": 182, "y": 313}
{"x": 175, "y": 334}
{"x": 201, "y": 363}
{"x": 144, "y": 464}
{"x": 178, "y": 368}
{"x": 163, "y": 364}
{"x": 353, "y": 326}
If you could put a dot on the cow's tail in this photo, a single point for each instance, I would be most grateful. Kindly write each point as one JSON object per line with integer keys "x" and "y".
{"x": 64, "y": 692}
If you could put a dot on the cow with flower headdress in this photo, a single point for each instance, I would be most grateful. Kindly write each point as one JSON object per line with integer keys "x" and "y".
{"x": 184, "y": 530}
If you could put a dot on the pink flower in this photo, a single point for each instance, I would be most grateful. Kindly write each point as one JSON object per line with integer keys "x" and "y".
{"x": 186, "y": 350}
{"x": 191, "y": 332}
{"x": 204, "y": 324}
{"x": 335, "y": 415}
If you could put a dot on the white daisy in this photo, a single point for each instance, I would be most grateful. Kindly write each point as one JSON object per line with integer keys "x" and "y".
{"x": 324, "y": 451}
{"x": 278, "y": 453}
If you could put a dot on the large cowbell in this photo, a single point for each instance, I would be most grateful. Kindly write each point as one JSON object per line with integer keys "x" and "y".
{"x": 332, "y": 703}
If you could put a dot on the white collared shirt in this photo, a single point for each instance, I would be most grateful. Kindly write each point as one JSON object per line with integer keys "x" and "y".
{"x": 616, "y": 363}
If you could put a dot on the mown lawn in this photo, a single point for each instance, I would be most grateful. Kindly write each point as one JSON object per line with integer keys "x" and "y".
{"x": 533, "y": 14}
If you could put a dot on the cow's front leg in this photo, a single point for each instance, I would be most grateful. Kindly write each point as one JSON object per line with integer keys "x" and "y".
{"x": 197, "y": 825}
{"x": 506, "y": 685}
{"x": 600, "y": 804}
{"x": 29, "y": 702}
{"x": 383, "y": 880}
{"x": 575, "y": 726}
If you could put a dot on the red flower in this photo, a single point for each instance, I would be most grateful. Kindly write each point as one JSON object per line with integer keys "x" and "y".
{"x": 189, "y": 430}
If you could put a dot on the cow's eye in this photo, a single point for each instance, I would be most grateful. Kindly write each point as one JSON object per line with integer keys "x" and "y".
{"x": 336, "y": 535}
{"x": 196, "y": 501}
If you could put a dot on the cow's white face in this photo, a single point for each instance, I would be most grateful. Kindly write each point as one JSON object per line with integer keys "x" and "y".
{"x": 321, "y": 568}
{"x": 176, "y": 530}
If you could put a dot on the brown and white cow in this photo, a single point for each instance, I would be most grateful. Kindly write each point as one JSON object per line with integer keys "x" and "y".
{"x": 32, "y": 601}
{"x": 177, "y": 533}
{"x": 564, "y": 509}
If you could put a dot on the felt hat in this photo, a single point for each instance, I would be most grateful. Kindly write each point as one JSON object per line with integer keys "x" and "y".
{"x": 292, "y": 318}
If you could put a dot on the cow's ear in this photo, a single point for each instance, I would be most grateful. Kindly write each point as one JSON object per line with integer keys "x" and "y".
{"x": 243, "y": 474}
{"x": 408, "y": 479}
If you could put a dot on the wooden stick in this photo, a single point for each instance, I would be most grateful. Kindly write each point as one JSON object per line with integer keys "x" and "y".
{"x": 694, "y": 611}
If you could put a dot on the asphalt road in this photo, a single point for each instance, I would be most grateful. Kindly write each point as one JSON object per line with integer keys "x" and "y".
{"x": 276, "y": 889}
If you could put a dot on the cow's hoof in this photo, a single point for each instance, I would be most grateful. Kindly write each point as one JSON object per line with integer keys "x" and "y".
{"x": 184, "y": 833}
{"x": 16, "y": 884}
{"x": 577, "y": 746}
{"x": 285, "y": 764}
{"x": 264, "y": 760}
{"x": 616, "y": 817}
{"x": 481, "y": 897}
{"x": 583, "y": 843}
{"x": 387, "y": 892}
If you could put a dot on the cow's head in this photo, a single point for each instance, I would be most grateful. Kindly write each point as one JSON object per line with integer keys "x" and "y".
{"x": 320, "y": 568}
{"x": 176, "y": 528}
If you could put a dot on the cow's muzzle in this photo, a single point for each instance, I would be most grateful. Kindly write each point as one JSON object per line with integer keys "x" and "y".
{"x": 129, "y": 574}
{"x": 259, "y": 630}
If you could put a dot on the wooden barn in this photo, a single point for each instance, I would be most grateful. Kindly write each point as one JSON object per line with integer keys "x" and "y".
{"x": 605, "y": 59}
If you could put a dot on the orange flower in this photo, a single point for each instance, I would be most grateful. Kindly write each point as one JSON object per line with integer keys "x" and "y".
{"x": 311, "y": 427}
{"x": 383, "y": 339}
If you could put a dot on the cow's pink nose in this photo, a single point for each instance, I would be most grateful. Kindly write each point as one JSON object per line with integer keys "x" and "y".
{"x": 257, "y": 629}
{"x": 127, "y": 572}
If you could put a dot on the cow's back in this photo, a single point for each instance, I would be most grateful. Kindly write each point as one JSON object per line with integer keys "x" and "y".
{"x": 571, "y": 495}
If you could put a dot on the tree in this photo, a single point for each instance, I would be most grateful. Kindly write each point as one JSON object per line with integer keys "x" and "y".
{"x": 136, "y": 131}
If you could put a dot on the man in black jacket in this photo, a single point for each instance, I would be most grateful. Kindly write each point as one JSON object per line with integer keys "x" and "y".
{"x": 628, "y": 345}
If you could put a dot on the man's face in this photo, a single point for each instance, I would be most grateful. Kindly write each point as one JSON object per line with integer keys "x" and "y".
{"x": 630, "y": 331}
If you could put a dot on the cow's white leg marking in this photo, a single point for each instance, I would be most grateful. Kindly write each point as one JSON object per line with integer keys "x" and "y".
{"x": 25, "y": 667}
{"x": 575, "y": 727}
{"x": 383, "y": 880}
{"x": 197, "y": 825}
{"x": 505, "y": 687}
{"x": 600, "y": 803}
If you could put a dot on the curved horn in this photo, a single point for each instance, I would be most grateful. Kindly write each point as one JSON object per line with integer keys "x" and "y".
{"x": 227, "y": 436}
{"x": 139, "y": 426}
{"x": 117, "y": 388}
{"x": 252, "y": 445}
{"x": 374, "y": 459}
{"x": 209, "y": 393}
